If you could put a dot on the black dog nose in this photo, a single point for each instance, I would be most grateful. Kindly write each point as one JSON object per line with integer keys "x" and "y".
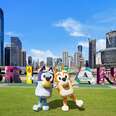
{"x": 48, "y": 78}
{"x": 64, "y": 79}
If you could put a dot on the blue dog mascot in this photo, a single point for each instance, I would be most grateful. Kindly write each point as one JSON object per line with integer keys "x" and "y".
{"x": 44, "y": 88}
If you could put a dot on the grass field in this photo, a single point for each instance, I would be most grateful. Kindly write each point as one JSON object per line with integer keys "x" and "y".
{"x": 18, "y": 101}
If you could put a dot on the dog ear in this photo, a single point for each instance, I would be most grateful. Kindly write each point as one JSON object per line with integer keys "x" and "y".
{"x": 40, "y": 72}
{"x": 51, "y": 69}
{"x": 43, "y": 68}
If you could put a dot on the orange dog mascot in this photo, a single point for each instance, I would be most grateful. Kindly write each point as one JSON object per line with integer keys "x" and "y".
{"x": 65, "y": 89}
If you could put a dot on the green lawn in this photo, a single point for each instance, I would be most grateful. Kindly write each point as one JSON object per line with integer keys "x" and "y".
{"x": 18, "y": 101}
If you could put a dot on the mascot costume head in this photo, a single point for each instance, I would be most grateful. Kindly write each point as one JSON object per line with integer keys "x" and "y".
{"x": 44, "y": 88}
{"x": 65, "y": 89}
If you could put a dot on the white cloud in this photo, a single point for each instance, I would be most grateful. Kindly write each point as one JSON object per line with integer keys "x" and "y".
{"x": 72, "y": 26}
{"x": 41, "y": 55}
{"x": 94, "y": 27}
{"x": 11, "y": 33}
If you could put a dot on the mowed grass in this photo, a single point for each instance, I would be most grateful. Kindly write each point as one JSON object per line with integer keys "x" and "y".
{"x": 18, "y": 101}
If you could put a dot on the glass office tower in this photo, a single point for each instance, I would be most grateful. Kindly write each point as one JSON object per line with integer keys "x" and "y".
{"x": 1, "y": 38}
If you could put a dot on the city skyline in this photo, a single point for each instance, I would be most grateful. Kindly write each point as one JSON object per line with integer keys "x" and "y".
{"x": 47, "y": 28}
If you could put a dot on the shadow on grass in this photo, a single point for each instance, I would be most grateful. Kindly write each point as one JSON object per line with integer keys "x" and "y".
{"x": 58, "y": 104}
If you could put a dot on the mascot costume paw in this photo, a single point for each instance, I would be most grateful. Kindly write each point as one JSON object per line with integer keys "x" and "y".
{"x": 65, "y": 90}
{"x": 44, "y": 88}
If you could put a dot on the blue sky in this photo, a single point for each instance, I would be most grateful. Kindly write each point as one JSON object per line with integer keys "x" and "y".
{"x": 47, "y": 27}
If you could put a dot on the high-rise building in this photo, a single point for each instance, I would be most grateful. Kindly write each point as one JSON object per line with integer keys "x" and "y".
{"x": 35, "y": 64}
{"x": 49, "y": 61}
{"x": 42, "y": 63}
{"x": 111, "y": 39}
{"x": 38, "y": 62}
{"x": 70, "y": 61}
{"x": 29, "y": 60}
{"x": 86, "y": 63}
{"x": 1, "y": 37}
{"x": 78, "y": 59}
{"x": 65, "y": 58}
{"x": 57, "y": 61}
{"x": 23, "y": 58}
{"x": 108, "y": 55}
{"x": 7, "y": 55}
{"x": 98, "y": 58}
{"x": 82, "y": 64}
{"x": 16, "y": 48}
{"x": 77, "y": 56}
{"x": 92, "y": 53}
{"x": 80, "y": 49}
